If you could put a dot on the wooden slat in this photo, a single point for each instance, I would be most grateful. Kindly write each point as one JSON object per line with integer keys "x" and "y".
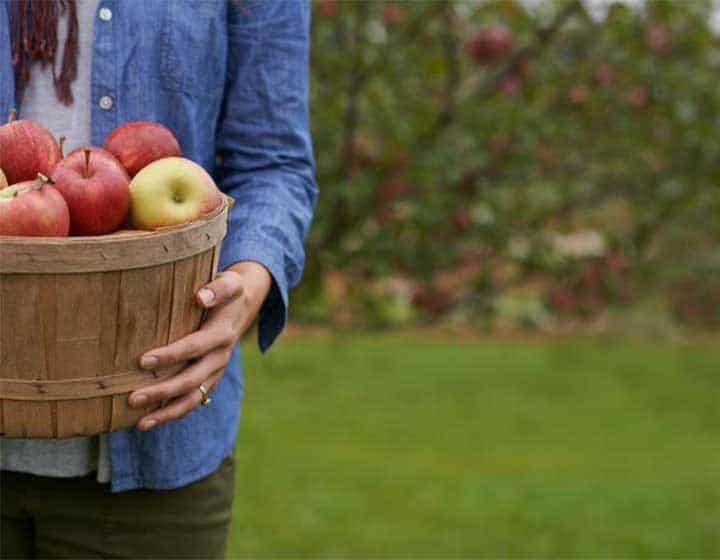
{"x": 166, "y": 278}
{"x": 108, "y": 336}
{"x": 43, "y": 255}
{"x": 137, "y": 316}
{"x": 78, "y": 348}
{"x": 48, "y": 321}
{"x": 23, "y": 352}
{"x": 186, "y": 313}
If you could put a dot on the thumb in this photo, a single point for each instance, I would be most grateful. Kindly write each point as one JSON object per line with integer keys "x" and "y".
{"x": 226, "y": 286}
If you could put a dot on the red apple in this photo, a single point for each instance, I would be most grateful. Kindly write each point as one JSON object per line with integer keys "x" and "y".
{"x": 26, "y": 149}
{"x": 604, "y": 75}
{"x": 511, "y": 86}
{"x": 137, "y": 144}
{"x": 637, "y": 97}
{"x": 578, "y": 94}
{"x": 658, "y": 37}
{"x": 33, "y": 208}
{"x": 172, "y": 191}
{"x": 3, "y": 180}
{"x": 96, "y": 188}
{"x": 491, "y": 44}
{"x": 393, "y": 189}
{"x": 328, "y": 9}
{"x": 393, "y": 14}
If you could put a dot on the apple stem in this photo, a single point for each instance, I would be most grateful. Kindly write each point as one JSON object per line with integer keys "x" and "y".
{"x": 62, "y": 141}
{"x": 12, "y": 115}
{"x": 87, "y": 163}
{"x": 42, "y": 180}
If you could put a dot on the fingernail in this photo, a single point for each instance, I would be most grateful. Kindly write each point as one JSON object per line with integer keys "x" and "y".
{"x": 139, "y": 400}
{"x": 206, "y": 296}
{"x": 149, "y": 362}
{"x": 149, "y": 424}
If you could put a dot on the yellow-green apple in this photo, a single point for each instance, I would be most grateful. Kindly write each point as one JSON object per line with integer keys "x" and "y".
{"x": 26, "y": 149}
{"x": 137, "y": 144}
{"x": 3, "y": 180}
{"x": 96, "y": 188}
{"x": 33, "y": 208}
{"x": 171, "y": 191}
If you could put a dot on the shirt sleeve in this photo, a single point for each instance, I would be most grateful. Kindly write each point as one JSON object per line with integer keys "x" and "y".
{"x": 7, "y": 87}
{"x": 265, "y": 159}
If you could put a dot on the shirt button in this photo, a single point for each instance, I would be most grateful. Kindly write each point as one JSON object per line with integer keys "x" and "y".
{"x": 106, "y": 102}
{"x": 105, "y": 14}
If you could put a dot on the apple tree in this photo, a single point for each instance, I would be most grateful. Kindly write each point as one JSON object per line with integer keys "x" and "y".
{"x": 471, "y": 149}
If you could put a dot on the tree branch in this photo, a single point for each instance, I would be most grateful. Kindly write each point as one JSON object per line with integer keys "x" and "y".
{"x": 355, "y": 85}
{"x": 543, "y": 37}
{"x": 452, "y": 63}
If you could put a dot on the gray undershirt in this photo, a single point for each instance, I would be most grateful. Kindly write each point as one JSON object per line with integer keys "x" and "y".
{"x": 82, "y": 455}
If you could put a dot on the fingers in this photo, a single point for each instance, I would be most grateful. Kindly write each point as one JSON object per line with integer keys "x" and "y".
{"x": 180, "y": 406}
{"x": 192, "y": 346}
{"x": 228, "y": 285}
{"x": 185, "y": 382}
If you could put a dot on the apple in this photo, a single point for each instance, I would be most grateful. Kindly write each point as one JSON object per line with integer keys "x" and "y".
{"x": 578, "y": 94}
{"x": 26, "y": 149}
{"x": 658, "y": 37}
{"x": 638, "y": 97}
{"x": 328, "y": 9}
{"x": 491, "y": 44}
{"x": 393, "y": 14}
{"x": 604, "y": 75}
{"x": 511, "y": 86}
{"x": 96, "y": 188}
{"x": 33, "y": 208}
{"x": 171, "y": 191}
{"x": 3, "y": 180}
{"x": 137, "y": 144}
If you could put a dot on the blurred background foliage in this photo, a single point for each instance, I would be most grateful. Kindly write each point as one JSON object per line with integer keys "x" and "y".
{"x": 493, "y": 168}
{"x": 537, "y": 165}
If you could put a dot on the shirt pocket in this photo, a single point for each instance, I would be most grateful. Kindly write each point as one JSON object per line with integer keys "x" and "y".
{"x": 194, "y": 47}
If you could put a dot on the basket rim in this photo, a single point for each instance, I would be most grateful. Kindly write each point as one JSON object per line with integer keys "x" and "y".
{"x": 127, "y": 249}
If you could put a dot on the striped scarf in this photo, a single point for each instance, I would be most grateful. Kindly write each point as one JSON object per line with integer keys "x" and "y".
{"x": 34, "y": 32}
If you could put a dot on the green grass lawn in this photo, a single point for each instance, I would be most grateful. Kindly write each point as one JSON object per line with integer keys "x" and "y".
{"x": 407, "y": 446}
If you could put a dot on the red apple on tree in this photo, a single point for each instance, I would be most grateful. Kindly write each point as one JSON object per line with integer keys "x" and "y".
{"x": 328, "y": 9}
{"x": 638, "y": 97}
{"x": 137, "y": 144}
{"x": 511, "y": 86}
{"x": 172, "y": 191}
{"x": 604, "y": 75}
{"x": 33, "y": 209}
{"x": 96, "y": 188}
{"x": 491, "y": 44}
{"x": 578, "y": 94}
{"x": 26, "y": 149}
{"x": 393, "y": 14}
{"x": 658, "y": 38}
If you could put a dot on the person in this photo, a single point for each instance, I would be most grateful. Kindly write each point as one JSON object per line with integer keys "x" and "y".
{"x": 230, "y": 79}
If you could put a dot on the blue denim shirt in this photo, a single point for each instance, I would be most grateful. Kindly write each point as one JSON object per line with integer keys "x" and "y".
{"x": 231, "y": 81}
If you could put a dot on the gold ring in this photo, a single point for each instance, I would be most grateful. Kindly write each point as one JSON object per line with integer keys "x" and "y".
{"x": 206, "y": 400}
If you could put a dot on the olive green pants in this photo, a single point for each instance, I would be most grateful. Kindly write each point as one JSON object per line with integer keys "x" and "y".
{"x": 46, "y": 517}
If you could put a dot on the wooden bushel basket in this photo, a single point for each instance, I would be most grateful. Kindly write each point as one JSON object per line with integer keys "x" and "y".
{"x": 77, "y": 313}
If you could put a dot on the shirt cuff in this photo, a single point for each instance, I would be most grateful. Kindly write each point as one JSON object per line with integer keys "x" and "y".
{"x": 273, "y": 314}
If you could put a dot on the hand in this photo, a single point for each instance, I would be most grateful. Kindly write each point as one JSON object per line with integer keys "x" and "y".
{"x": 232, "y": 299}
